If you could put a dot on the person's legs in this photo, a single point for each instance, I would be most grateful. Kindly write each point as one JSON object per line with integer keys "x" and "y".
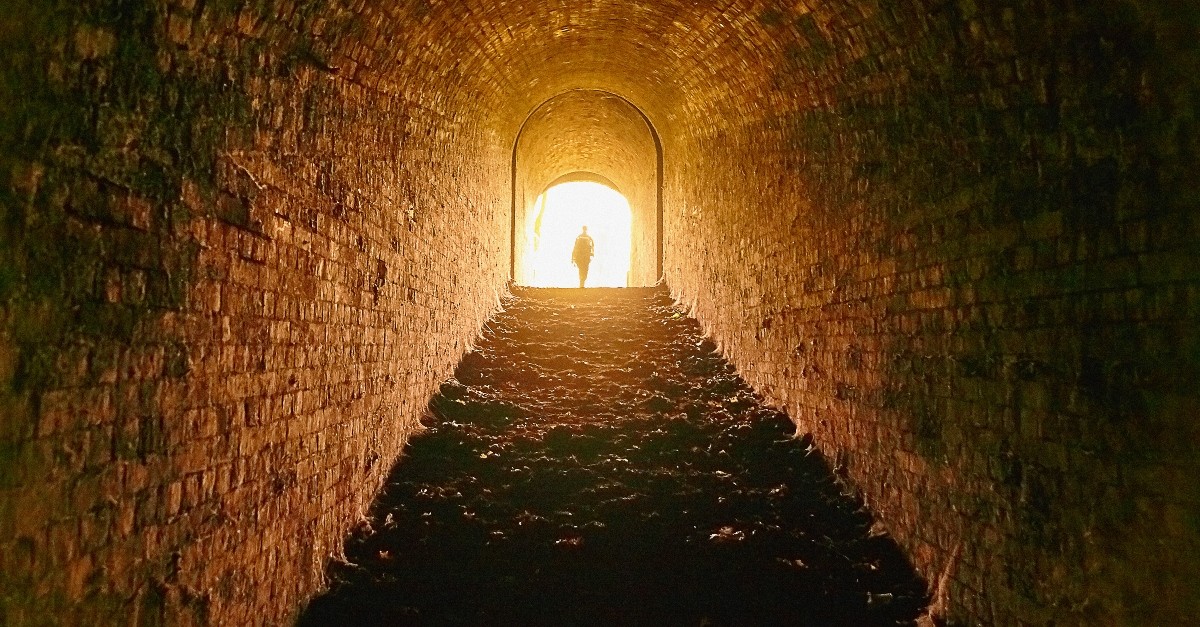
{"x": 583, "y": 270}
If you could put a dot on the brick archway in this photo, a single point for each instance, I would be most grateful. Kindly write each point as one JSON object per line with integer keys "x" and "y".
{"x": 605, "y": 137}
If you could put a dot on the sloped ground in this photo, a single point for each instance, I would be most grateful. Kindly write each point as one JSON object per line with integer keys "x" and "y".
{"x": 594, "y": 462}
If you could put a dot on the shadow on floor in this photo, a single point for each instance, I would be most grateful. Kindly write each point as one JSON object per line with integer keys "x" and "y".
{"x": 595, "y": 462}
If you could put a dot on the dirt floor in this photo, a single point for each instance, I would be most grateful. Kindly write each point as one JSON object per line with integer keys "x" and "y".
{"x": 595, "y": 462}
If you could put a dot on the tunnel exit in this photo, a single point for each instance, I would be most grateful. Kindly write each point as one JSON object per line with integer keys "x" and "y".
{"x": 559, "y": 216}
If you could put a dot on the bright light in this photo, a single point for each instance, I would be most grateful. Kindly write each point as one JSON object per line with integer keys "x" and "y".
{"x": 557, "y": 219}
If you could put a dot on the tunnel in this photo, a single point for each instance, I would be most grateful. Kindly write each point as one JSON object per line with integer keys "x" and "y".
{"x": 244, "y": 241}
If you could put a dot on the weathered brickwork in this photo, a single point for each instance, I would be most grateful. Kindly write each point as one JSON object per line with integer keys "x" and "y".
{"x": 962, "y": 252}
{"x": 232, "y": 276}
{"x": 242, "y": 240}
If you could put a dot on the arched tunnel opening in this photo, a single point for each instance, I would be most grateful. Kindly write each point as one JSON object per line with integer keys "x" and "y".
{"x": 579, "y": 203}
{"x": 244, "y": 243}
{"x": 590, "y": 135}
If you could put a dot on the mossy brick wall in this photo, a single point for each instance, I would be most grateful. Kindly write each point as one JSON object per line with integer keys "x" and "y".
{"x": 231, "y": 274}
{"x": 961, "y": 248}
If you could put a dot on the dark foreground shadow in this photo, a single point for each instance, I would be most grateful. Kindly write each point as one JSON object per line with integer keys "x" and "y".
{"x": 601, "y": 465}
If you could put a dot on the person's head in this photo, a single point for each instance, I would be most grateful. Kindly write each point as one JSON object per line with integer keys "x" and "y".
{"x": 585, "y": 229}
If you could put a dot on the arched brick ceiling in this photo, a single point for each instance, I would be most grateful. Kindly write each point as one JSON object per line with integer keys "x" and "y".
{"x": 495, "y": 61}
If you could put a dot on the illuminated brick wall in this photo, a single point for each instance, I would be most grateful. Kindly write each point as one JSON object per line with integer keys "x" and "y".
{"x": 963, "y": 254}
{"x": 232, "y": 277}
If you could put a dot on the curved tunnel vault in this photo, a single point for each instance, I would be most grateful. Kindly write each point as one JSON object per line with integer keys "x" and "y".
{"x": 591, "y": 132}
{"x": 241, "y": 243}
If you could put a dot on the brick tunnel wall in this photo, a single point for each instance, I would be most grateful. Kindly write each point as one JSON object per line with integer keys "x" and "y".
{"x": 964, "y": 255}
{"x": 232, "y": 272}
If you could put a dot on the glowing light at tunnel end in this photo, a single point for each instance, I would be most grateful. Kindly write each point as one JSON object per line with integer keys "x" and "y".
{"x": 557, "y": 218}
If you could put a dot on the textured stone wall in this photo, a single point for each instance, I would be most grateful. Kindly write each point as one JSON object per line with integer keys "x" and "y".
{"x": 231, "y": 275}
{"x": 965, "y": 258}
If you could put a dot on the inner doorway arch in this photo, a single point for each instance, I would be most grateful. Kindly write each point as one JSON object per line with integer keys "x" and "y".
{"x": 591, "y": 134}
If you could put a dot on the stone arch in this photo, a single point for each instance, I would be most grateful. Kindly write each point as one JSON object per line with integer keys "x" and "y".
{"x": 592, "y": 134}
{"x": 583, "y": 176}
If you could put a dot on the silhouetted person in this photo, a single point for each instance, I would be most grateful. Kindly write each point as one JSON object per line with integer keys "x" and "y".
{"x": 581, "y": 256}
